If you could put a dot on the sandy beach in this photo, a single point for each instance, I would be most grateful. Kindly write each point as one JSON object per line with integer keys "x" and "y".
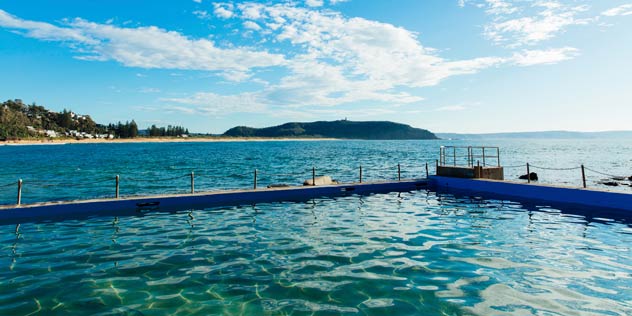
{"x": 62, "y": 141}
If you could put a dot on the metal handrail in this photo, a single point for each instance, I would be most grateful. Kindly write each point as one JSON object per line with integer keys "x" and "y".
{"x": 472, "y": 152}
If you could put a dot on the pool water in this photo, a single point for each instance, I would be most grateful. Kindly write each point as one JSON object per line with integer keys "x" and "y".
{"x": 412, "y": 253}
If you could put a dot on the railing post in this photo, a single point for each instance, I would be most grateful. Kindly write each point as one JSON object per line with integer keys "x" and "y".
{"x": 399, "y": 173}
{"x": 426, "y": 170}
{"x": 484, "y": 157}
{"x": 437, "y": 167}
{"x": 469, "y": 156}
{"x": 583, "y": 176}
{"x": 360, "y": 173}
{"x": 19, "y": 201}
{"x": 498, "y": 155}
{"x": 192, "y": 182}
{"x": 117, "y": 186}
{"x": 528, "y": 174}
{"x": 313, "y": 176}
{"x": 255, "y": 180}
{"x": 454, "y": 155}
{"x": 477, "y": 174}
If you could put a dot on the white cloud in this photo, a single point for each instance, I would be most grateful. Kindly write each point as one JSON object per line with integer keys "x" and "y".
{"x": 377, "y": 55}
{"x": 144, "y": 47}
{"x": 197, "y": 1}
{"x": 332, "y": 60}
{"x": 340, "y": 60}
{"x": 236, "y": 76}
{"x": 223, "y": 10}
{"x": 202, "y": 14}
{"x": 543, "y": 57}
{"x": 44, "y": 31}
{"x": 314, "y": 3}
{"x": 537, "y": 22}
{"x": 498, "y": 7}
{"x": 622, "y": 10}
{"x": 252, "y": 25}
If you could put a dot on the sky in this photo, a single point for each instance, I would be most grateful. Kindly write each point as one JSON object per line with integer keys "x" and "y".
{"x": 465, "y": 66}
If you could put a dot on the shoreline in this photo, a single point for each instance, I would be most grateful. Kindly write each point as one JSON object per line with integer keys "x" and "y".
{"x": 64, "y": 141}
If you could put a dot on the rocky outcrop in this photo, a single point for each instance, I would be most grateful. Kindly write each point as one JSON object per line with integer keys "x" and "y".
{"x": 531, "y": 176}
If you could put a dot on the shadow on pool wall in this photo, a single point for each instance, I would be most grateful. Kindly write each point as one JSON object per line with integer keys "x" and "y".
{"x": 589, "y": 214}
{"x": 585, "y": 202}
{"x": 172, "y": 203}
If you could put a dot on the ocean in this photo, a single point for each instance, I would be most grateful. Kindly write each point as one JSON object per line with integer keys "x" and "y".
{"x": 80, "y": 171}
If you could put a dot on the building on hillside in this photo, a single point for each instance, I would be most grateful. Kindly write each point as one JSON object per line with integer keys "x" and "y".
{"x": 51, "y": 133}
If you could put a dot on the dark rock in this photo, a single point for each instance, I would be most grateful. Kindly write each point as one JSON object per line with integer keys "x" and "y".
{"x": 278, "y": 185}
{"x": 630, "y": 178}
{"x": 610, "y": 183}
{"x": 619, "y": 178}
{"x": 533, "y": 176}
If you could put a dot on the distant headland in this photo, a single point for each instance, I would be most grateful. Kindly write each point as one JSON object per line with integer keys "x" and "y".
{"x": 341, "y": 129}
{"x": 22, "y": 123}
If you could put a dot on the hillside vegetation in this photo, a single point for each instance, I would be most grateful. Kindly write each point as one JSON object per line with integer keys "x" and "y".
{"x": 19, "y": 120}
{"x": 336, "y": 129}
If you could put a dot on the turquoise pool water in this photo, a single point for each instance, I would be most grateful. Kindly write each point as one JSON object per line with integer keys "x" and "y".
{"x": 414, "y": 253}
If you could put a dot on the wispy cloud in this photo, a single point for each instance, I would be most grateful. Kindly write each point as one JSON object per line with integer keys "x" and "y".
{"x": 531, "y": 23}
{"x": 544, "y": 57}
{"x": 143, "y": 47}
{"x": 206, "y": 103}
{"x": 622, "y": 10}
{"x": 499, "y": 7}
{"x": 148, "y": 90}
{"x": 202, "y": 14}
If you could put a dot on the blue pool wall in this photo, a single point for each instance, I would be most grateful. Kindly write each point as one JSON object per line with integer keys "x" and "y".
{"x": 593, "y": 202}
{"x": 537, "y": 192}
{"x": 139, "y": 205}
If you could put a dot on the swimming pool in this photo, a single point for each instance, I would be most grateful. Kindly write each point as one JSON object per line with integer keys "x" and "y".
{"x": 420, "y": 252}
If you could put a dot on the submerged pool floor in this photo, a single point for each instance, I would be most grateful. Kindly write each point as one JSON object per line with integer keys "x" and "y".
{"x": 414, "y": 253}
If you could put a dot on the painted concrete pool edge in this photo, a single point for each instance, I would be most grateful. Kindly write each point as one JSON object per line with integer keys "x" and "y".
{"x": 567, "y": 195}
{"x": 621, "y": 202}
{"x": 174, "y": 202}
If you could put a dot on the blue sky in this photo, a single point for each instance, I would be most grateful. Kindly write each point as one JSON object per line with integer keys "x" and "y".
{"x": 444, "y": 65}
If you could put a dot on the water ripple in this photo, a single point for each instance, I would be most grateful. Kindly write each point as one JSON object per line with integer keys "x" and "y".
{"x": 398, "y": 254}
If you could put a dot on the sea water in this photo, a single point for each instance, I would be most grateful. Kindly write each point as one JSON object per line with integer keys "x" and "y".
{"x": 411, "y": 253}
{"x": 81, "y": 171}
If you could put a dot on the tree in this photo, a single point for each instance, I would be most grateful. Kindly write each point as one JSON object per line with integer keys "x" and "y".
{"x": 65, "y": 119}
{"x": 133, "y": 129}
